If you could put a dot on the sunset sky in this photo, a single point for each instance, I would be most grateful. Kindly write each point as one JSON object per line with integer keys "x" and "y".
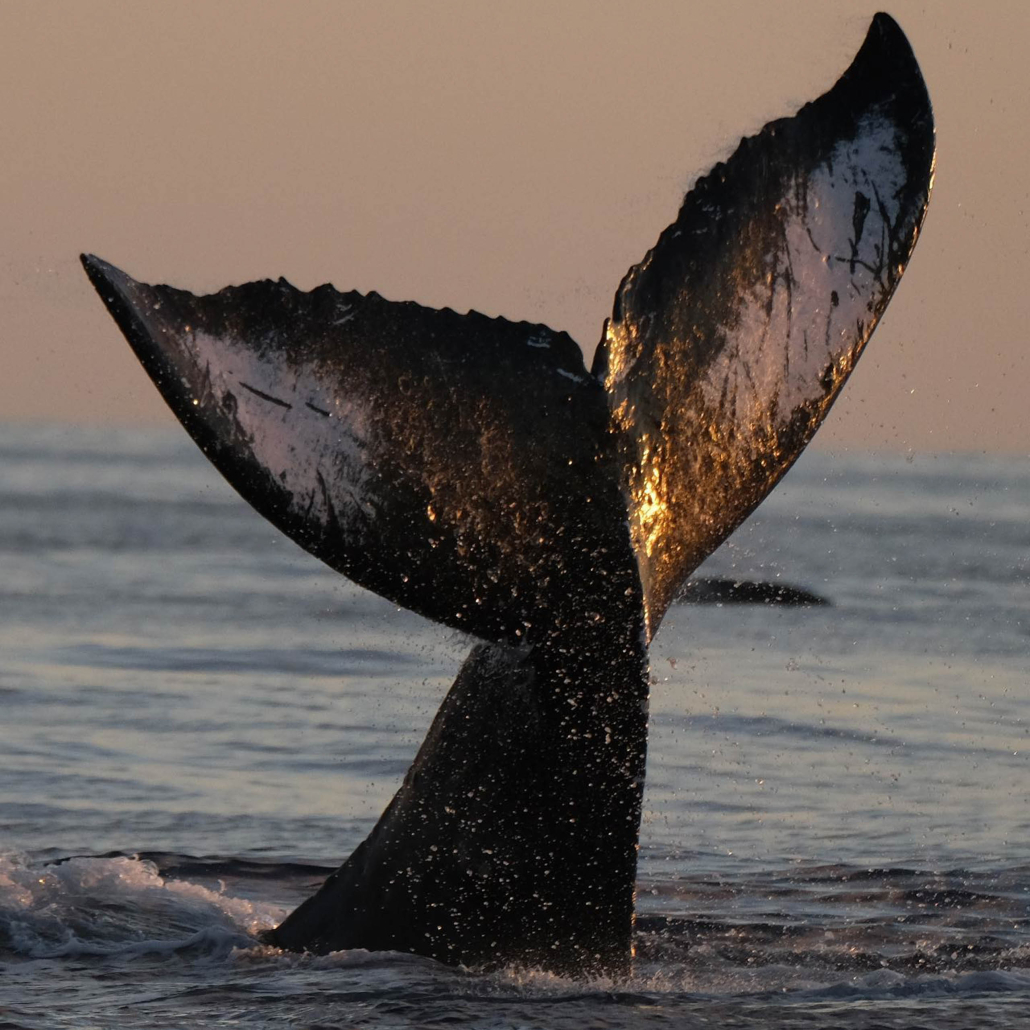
{"x": 511, "y": 158}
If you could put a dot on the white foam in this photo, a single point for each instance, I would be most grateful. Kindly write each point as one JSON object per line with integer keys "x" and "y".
{"x": 119, "y": 906}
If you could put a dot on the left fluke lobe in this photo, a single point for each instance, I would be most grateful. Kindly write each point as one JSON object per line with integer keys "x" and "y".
{"x": 432, "y": 457}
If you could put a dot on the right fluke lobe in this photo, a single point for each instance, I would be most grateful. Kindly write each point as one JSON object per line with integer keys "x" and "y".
{"x": 733, "y": 336}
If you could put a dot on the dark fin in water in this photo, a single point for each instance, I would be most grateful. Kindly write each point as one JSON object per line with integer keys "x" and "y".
{"x": 469, "y": 469}
{"x": 731, "y": 339}
{"x": 706, "y": 590}
{"x": 514, "y": 837}
{"x": 454, "y": 464}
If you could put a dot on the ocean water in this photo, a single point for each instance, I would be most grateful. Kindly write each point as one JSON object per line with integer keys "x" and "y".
{"x": 199, "y": 722}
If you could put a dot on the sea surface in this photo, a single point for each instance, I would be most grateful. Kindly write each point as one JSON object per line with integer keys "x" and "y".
{"x": 199, "y": 722}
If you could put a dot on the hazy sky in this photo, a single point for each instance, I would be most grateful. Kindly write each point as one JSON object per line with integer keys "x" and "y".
{"x": 513, "y": 158}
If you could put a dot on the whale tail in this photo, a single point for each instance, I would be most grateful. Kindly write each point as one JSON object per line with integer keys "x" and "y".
{"x": 473, "y": 470}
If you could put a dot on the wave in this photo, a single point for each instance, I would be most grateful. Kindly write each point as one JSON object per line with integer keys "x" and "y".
{"x": 815, "y": 932}
{"x": 118, "y": 906}
{"x": 366, "y": 662}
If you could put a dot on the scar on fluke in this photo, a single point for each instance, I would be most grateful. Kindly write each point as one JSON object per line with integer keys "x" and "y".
{"x": 266, "y": 396}
{"x": 474, "y": 472}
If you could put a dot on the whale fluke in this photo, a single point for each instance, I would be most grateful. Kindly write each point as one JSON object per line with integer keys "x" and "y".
{"x": 729, "y": 342}
{"x": 472, "y": 469}
{"x": 432, "y": 457}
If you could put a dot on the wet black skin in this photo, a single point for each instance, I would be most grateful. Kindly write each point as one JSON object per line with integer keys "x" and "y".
{"x": 473, "y": 470}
